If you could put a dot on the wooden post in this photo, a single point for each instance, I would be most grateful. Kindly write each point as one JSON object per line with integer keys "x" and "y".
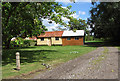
{"x": 17, "y": 60}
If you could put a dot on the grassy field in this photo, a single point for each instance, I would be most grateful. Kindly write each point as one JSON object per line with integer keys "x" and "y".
{"x": 33, "y": 57}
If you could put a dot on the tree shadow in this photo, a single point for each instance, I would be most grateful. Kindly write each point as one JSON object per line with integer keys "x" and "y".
{"x": 17, "y": 48}
{"x": 26, "y": 56}
{"x": 101, "y": 44}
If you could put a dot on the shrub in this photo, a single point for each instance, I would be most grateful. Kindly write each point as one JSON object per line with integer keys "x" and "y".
{"x": 22, "y": 43}
{"x": 26, "y": 43}
{"x": 29, "y": 42}
{"x": 13, "y": 44}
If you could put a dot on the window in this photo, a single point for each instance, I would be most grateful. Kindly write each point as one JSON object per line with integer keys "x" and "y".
{"x": 42, "y": 39}
{"x": 56, "y": 38}
{"x": 68, "y": 38}
{"x": 76, "y": 38}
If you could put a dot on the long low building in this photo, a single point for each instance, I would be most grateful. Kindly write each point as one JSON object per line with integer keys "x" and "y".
{"x": 61, "y": 38}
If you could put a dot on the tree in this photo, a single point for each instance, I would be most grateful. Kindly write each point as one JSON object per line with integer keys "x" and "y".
{"x": 22, "y": 19}
{"x": 77, "y": 24}
{"x": 104, "y": 20}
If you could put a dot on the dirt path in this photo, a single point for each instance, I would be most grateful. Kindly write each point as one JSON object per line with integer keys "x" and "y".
{"x": 101, "y": 63}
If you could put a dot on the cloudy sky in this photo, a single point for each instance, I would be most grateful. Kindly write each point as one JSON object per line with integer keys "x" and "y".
{"x": 81, "y": 8}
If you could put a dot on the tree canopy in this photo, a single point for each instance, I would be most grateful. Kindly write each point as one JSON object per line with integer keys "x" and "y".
{"x": 77, "y": 24}
{"x": 25, "y": 18}
{"x": 104, "y": 20}
{"x": 73, "y": 24}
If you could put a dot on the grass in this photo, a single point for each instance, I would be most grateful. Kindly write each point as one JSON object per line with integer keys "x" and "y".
{"x": 32, "y": 57}
{"x": 95, "y": 41}
{"x": 119, "y": 48}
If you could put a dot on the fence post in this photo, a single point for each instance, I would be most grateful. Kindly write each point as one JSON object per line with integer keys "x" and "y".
{"x": 17, "y": 60}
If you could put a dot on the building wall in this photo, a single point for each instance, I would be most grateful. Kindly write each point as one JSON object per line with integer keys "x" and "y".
{"x": 56, "y": 42}
{"x": 72, "y": 41}
{"x": 49, "y": 40}
{"x": 45, "y": 42}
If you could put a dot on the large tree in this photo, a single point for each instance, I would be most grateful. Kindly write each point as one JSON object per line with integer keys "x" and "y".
{"x": 104, "y": 20}
{"x": 25, "y": 18}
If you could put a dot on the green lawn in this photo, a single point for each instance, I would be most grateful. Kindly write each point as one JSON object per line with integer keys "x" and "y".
{"x": 95, "y": 41}
{"x": 32, "y": 57}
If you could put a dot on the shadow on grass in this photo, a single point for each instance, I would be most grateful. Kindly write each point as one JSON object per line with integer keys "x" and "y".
{"x": 21, "y": 47}
{"x": 26, "y": 56}
{"x": 100, "y": 44}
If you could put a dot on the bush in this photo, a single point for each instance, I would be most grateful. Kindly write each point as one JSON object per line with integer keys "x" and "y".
{"x": 26, "y": 43}
{"x": 29, "y": 42}
{"x": 32, "y": 43}
{"x": 13, "y": 44}
{"x": 22, "y": 43}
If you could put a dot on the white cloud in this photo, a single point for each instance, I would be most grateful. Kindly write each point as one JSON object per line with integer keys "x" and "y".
{"x": 48, "y": 25}
{"x": 68, "y": 1}
{"x": 53, "y": 25}
{"x": 64, "y": 7}
{"x": 45, "y": 21}
{"x": 82, "y": 12}
{"x": 75, "y": 15}
{"x": 82, "y": 0}
{"x": 88, "y": 27}
{"x": 65, "y": 19}
{"x": 65, "y": 2}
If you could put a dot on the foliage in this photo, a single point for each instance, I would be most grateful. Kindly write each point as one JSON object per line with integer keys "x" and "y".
{"x": 104, "y": 20}
{"x": 74, "y": 25}
{"x": 25, "y": 19}
{"x": 77, "y": 24}
{"x": 19, "y": 42}
{"x": 92, "y": 39}
{"x": 89, "y": 38}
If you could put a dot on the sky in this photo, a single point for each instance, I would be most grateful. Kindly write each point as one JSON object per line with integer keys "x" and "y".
{"x": 81, "y": 8}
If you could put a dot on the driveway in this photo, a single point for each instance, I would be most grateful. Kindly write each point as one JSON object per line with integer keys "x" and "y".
{"x": 101, "y": 63}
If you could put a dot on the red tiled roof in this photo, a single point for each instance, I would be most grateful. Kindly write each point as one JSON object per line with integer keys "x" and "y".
{"x": 52, "y": 34}
{"x": 33, "y": 38}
